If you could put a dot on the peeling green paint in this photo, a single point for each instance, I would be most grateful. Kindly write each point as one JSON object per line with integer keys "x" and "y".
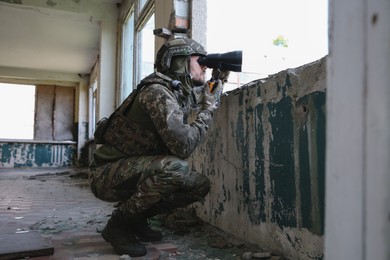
{"x": 312, "y": 162}
{"x": 282, "y": 163}
{"x": 259, "y": 162}
{"x": 242, "y": 146}
{"x": 42, "y": 155}
{"x": 318, "y": 102}
{"x": 19, "y": 154}
{"x": 287, "y": 82}
{"x": 304, "y": 174}
{"x": 70, "y": 153}
{"x": 241, "y": 99}
{"x": 274, "y": 165}
{"x": 5, "y": 153}
{"x": 219, "y": 209}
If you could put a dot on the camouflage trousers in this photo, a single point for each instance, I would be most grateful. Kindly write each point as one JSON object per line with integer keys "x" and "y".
{"x": 148, "y": 185}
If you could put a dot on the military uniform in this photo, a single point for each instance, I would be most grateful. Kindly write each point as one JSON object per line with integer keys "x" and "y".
{"x": 156, "y": 173}
{"x": 145, "y": 144}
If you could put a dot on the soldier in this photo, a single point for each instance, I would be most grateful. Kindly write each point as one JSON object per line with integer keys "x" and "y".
{"x": 146, "y": 141}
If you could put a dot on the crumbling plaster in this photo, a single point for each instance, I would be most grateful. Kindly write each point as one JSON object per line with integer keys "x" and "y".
{"x": 265, "y": 159}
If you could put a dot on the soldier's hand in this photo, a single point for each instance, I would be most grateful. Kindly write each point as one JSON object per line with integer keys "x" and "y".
{"x": 212, "y": 98}
{"x": 223, "y": 75}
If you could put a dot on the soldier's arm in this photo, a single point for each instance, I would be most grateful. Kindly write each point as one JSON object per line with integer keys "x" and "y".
{"x": 167, "y": 116}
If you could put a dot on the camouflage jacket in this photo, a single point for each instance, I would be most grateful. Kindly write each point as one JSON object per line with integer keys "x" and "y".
{"x": 160, "y": 114}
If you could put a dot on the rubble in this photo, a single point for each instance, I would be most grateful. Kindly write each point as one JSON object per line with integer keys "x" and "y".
{"x": 67, "y": 207}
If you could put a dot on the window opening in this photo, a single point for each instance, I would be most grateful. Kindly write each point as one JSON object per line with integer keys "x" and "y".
{"x": 92, "y": 108}
{"x": 147, "y": 40}
{"x": 127, "y": 56}
{"x": 138, "y": 49}
{"x": 17, "y": 105}
{"x": 287, "y": 34}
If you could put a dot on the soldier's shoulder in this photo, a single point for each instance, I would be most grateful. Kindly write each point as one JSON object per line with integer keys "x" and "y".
{"x": 156, "y": 89}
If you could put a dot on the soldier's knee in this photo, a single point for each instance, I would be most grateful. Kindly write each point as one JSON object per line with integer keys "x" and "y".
{"x": 204, "y": 185}
{"x": 167, "y": 164}
{"x": 199, "y": 184}
{"x": 175, "y": 164}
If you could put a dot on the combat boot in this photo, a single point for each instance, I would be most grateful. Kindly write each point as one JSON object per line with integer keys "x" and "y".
{"x": 122, "y": 241}
{"x": 139, "y": 225}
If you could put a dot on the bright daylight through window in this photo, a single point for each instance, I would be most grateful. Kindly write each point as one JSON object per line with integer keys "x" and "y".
{"x": 147, "y": 48}
{"x": 274, "y": 35}
{"x": 17, "y": 105}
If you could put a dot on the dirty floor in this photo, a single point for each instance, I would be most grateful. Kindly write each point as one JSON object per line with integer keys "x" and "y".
{"x": 58, "y": 205}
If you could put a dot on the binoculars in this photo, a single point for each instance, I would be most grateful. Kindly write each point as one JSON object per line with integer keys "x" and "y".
{"x": 231, "y": 61}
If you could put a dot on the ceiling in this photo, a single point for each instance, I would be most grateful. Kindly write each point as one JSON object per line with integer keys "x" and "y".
{"x": 54, "y": 35}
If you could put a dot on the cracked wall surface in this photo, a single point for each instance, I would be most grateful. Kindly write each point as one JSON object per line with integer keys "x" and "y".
{"x": 265, "y": 157}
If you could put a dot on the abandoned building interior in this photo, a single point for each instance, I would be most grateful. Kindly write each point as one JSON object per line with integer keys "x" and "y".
{"x": 298, "y": 158}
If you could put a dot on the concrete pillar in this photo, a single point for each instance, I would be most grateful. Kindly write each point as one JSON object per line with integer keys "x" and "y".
{"x": 82, "y": 114}
{"x": 377, "y": 175}
{"x": 182, "y": 14}
{"x": 198, "y": 30}
{"x": 107, "y": 62}
{"x": 164, "y": 11}
{"x": 357, "y": 223}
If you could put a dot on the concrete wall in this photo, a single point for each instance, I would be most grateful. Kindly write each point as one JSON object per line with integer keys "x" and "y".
{"x": 265, "y": 157}
{"x": 37, "y": 154}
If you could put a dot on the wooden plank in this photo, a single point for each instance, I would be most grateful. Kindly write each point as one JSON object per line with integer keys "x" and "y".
{"x": 26, "y": 244}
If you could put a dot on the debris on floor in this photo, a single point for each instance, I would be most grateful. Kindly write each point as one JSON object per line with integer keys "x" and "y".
{"x": 60, "y": 206}
{"x": 24, "y": 244}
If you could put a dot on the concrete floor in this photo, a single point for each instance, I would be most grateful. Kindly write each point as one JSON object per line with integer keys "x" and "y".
{"x": 58, "y": 204}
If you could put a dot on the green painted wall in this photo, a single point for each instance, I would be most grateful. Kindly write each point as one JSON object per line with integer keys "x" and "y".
{"x": 28, "y": 154}
{"x": 265, "y": 156}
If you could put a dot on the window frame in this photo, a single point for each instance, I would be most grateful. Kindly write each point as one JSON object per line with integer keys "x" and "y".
{"x": 127, "y": 66}
{"x": 142, "y": 15}
{"x": 140, "y": 50}
{"x": 92, "y": 108}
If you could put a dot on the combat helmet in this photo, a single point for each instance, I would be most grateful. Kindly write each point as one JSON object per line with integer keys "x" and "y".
{"x": 176, "y": 47}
